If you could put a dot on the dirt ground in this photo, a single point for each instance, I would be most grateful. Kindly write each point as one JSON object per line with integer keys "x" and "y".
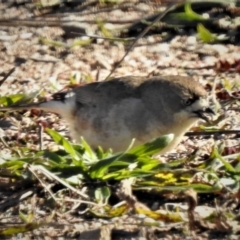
{"x": 41, "y": 64}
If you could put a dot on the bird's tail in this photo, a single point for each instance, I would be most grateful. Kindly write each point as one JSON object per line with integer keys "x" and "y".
{"x": 54, "y": 106}
{"x": 21, "y": 107}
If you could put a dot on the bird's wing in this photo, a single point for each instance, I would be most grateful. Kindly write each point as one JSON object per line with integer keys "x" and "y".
{"x": 108, "y": 92}
{"x": 94, "y": 94}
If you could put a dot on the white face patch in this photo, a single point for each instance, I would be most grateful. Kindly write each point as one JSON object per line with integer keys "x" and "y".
{"x": 70, "y": 94}
{"x": 200, "y": 104}
{"x": 63, "y": 108}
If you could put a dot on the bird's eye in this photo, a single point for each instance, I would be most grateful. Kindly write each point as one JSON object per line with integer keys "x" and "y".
{"x": 188, "y": 102}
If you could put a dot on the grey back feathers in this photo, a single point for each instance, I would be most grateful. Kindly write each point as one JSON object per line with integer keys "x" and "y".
{"x": 139, "y": 87}
{"x": 159, "y": 94}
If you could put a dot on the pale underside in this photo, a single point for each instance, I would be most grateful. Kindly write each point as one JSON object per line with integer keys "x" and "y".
{"x": 128, "y": 120}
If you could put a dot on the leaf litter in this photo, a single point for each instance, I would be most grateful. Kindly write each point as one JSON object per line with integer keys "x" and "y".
{"x": 63, "y": 189}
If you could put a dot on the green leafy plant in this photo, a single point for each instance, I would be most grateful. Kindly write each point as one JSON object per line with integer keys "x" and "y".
{"x": 188, "y": 14}
{"x": 19, "y": 98}
{"x": 205, "y": 35}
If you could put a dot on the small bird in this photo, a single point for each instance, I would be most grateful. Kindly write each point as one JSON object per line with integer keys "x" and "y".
{"x": 112, "y": 113}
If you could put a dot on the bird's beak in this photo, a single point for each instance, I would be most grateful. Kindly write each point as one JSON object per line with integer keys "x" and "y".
{"x": 203, "y": 114}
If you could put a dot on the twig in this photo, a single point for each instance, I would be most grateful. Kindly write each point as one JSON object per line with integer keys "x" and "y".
{"x": 170, "y": 8}
{"x": 98, "y": 74}
{"x": 4, "y": 142}
{"x": 52, "y": 176}
{"x": 105, "y": 38}
{"x": 7, "y": 75}
{"x": 202, "y": 133}
{"x": 79, "y": 201}
{"x": 234, "y": 109}
{"x": 40, "y": 133}
{"x": 38, "y": 23}
{"x": 43, "y": 60}
{"x": 32, "y": 169}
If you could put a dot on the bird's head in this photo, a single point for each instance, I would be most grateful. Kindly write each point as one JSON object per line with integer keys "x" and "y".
{"x": 192, "y": 99}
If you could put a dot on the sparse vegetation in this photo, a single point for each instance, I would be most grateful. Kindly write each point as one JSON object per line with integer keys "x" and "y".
{"x": 50, "y": 187}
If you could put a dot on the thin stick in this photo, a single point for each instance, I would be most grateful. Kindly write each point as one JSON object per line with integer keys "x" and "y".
{"x": 212, "y": 132}
{"x": 162, "y": 15}
{"x": 105, "y": 38}
{"x": 40, "y": 134}
{"x": 53, "y": 176}
{"x": 7, "y": 75}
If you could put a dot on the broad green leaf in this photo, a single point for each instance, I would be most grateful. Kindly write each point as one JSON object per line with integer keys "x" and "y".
{"x": 89, "y": 155}
{"x": 112, "y": 164}
{"x": 26, "y": 218}
{"x": 30, "y": 226}
{"x": 52, "y": 43}
{"x": 160, "y": 216}
{"x": 100, "y": 153}
{"x": 176, "y": 163}
{"x": 127, "y": 174}
{"x": 209, "y": 129}
{"x": 56, "y": 158}
{"x": 188, "y": 15}
{"x": 79, "y": 163}
{"x": 148, "y": 163}
{"x": 166, "y": 177}
{"x": 7, "y": 101}
{"x": 102, "y": 195}
{"x": 237, "y": 167}
{"x": 20, "y": 229}
{"x": 73, "y": 79}
{"x": 213, "y": 164}
{"x": 200, "y": 188}
{"x": 110, "y": 176}
{"x": 204, "y": 188}
{"x": 15, "y": 164}
{"x": 205, "y": 35}
{"x": 99, "y": 169}
{"x": 191, "y": 14}
{"x": 17, "y": 99}
{"x": 227, "y": 165}
{"x": 230, "y": 183}
{"x": 110, "y": 212}
{"x": 12, "y": 99}
{"x": 88, "y": 78}
{"x": 152, "y": 147}
{"x": 66, "y": 172}
{"x": 78, "y": 148}
{"x": 59, "y": 139}
{"x": 106, "y": 32}
{"x": 228, "y": 84}
{"x": 23, "y": 216}
{"x": 75, "y": 179}
{"x": 81, "y": 42}
{"x": 110, "y": 1}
